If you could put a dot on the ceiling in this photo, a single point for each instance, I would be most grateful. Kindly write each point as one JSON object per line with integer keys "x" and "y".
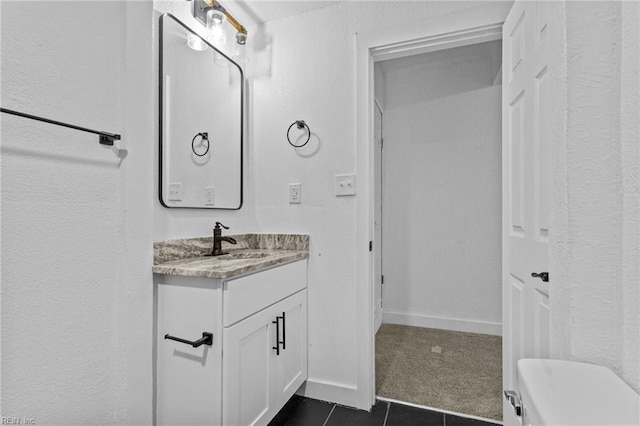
{"x": 259, "y": 11}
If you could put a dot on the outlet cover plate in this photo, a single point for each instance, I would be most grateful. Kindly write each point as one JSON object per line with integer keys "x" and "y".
{"x": 294, "y": 193}
{"x": 210, "y": 196}
{"x": 345, "y": 185}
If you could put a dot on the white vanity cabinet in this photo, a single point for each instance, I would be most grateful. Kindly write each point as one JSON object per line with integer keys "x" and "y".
{"x": 259, "y": 354}
{"x": 187, "y": 379}
{"x": 265, "y": 362}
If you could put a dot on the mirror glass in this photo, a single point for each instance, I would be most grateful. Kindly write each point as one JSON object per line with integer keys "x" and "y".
{"x": 201, "y": 121}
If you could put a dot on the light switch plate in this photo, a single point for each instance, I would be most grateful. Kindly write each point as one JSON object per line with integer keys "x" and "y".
{"x": 345, "y": 185}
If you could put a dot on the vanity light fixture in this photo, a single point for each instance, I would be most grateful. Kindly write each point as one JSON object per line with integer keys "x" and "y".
{"x": 212, "y": 14}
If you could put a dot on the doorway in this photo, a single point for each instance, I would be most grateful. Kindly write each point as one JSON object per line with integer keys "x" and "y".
{"x": 471, "y": 26}
{"x": 440, "y": 192}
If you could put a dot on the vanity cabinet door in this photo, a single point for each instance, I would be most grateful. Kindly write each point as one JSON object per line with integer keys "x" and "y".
{"x": 247, "y": 371}
{"x": 188, "y": 379}
{"x": 291, "y": 363}
{"x": 259, "y": 379}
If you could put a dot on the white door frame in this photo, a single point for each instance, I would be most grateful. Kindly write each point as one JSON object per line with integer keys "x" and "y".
{"x": 378, "y": 198}
{"x": 469, "y": 26}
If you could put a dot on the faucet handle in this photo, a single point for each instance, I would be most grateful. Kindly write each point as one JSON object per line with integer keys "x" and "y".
{"x": 218, "y": 225}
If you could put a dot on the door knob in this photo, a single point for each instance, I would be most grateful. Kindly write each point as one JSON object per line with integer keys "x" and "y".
{"x": 544, "y": 276}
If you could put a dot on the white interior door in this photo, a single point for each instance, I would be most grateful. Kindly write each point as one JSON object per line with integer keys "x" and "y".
{"x": 526, "y": 185}
{"x": 377, "y": 243}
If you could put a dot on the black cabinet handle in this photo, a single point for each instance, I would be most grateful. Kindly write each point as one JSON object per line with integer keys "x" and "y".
{"x": 278, "y": 341}
{"x": 544, "y": 276}
{"x": 277, "y": 346}
{"x": 284, "y": 333}
{"x": 207, "y": 339}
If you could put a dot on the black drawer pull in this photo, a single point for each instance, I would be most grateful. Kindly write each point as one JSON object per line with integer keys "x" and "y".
{"x": 284, "y": 336}
{"x": 207, "y": 339}
{"x": 284, "y": 333}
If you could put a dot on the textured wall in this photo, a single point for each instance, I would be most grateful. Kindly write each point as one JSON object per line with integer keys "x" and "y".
{"x": 311, "y": 76}
{"x": 630, "y": 137}
{"x": 595, "y": 307}
{"x": 442, "y": 190}
{"x": 76, "y": 285}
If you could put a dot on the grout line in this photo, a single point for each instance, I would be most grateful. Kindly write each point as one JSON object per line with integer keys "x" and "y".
{"x": 386, "y": 416}
{"x": 330, "y": 413}
{"x": 440, "y": 410}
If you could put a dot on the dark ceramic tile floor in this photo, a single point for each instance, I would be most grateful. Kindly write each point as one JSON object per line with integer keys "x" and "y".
{"x": 301, "y": 411}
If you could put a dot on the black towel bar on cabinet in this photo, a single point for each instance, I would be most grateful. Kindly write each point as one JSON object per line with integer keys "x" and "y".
{"x": 207, "y": 339}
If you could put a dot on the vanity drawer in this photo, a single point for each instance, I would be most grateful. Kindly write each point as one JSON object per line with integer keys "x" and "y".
{"x": 247, "y": 295}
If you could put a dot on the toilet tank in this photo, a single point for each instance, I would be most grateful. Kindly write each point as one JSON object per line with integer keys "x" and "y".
{"x": 555, "y": 392}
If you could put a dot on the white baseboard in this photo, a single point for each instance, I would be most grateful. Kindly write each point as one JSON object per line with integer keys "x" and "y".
{"x": 338, "y": 393}
{"x": 443, "y": 323}
{"x": 378, "y": 320}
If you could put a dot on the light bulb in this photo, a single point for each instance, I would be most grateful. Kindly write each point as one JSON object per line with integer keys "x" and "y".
{"x": 196, "y": 43}
{"x": 215, "y": 19}
{"x": 218, "y": 36}
{"x": 241, "y": 55}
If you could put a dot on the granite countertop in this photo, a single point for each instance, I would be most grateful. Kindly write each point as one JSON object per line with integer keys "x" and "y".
{"x": 254, "y": 252}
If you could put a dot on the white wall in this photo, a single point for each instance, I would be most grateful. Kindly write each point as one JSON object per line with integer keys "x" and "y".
{"x": 442, "y": 190}
{"x": 312, "y": 77}
{"x": 76, "y": 237}
{"x": 594, "y": 253}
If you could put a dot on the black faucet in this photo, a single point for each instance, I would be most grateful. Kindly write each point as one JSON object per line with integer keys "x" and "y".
{"x": 218, "y": 239}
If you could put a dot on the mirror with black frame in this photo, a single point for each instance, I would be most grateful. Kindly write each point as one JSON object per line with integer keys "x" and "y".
{"x": 201, "y": 121}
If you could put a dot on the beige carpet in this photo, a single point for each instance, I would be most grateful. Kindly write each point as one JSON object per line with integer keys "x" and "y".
{"x": 465, "y": 377}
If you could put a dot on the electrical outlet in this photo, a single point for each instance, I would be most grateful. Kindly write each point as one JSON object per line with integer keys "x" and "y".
{"x": 345, "y": 185}
{"x": 294, "y": 193}
{"x": 210, "y": 196}
{"x": 175, "y": 192}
